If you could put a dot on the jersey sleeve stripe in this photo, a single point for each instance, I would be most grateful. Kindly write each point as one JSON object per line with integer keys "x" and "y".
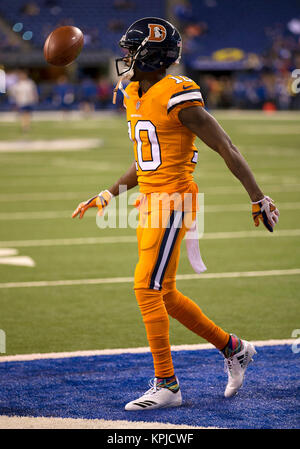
{"x": 183, "y": 92}
{"x": 182, "y": 98}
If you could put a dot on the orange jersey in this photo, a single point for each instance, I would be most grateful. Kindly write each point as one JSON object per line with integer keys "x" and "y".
{"x": 164, "y": 149}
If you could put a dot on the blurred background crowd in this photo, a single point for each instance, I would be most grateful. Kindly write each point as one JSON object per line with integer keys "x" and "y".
{"x": 243, "y": 53}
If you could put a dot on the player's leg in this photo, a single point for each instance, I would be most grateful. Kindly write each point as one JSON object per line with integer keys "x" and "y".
{"x": 183, "y": 308}
{"x": 156, "y": 246}
{"x": 188, "y": 313}
{"x": 238, "y": 353}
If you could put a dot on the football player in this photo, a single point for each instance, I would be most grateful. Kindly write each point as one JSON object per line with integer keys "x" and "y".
{"x": 165, "y": 113}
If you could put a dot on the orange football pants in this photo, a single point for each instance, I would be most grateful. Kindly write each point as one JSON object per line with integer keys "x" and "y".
{"x": 156, "y": 293}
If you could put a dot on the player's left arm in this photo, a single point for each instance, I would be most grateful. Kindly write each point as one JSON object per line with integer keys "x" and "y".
{"x": 206, "y": 127}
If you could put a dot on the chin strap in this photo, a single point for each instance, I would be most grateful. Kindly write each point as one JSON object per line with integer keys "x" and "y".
{"x": 119, "y": 86}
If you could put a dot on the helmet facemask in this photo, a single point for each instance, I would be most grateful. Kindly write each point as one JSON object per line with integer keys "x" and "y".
{"x": 125, "y": 65}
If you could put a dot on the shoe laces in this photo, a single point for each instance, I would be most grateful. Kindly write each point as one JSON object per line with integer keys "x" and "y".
{"x": 228, "y": 364}
{"x": 153, "y": 386}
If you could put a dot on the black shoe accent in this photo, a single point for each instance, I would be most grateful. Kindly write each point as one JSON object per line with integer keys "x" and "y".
{"x": 145, "y": 404}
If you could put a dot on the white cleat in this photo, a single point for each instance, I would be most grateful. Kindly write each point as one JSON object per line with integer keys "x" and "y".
{"x": 156, "y": 397}
{"x": 236, "y": 367}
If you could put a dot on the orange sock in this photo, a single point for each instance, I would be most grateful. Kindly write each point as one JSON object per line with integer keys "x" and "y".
{"x": 156, "y": 321}
{"x": 191, "y": 316}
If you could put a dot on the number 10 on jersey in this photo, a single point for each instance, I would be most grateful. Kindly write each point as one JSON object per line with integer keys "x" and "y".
{"x": 149, "y": 145}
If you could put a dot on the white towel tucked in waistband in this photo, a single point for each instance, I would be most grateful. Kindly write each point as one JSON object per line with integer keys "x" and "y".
{"x": 193, "y": 250}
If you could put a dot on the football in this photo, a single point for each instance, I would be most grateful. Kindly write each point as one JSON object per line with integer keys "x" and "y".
{"x": 63, "y": 45}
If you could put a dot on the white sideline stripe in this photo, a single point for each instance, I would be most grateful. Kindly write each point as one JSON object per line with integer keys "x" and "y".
{"x": 47, "y": 196}
{"x": 139, "y": 350}
{"x": 28, "y": 422}
{"x": 46, "y": 215}
{"x": 269, "y": 129}
{"x": 50, "y": 196}
{"x": 278, "y": 188}
{"x": 256, "y": 115}
{"x": 5, "y": 252}
{"x": 36, "y": 215}
{"x": 74, "y": 241}
{"x": 132, "y": 238}
{"x": 21, "y": 261}
{"x": 241, "y": 207}
{"x": 126, "y": 280}
{"x": 9, "y": 256}
{"x": 48, "y": 145}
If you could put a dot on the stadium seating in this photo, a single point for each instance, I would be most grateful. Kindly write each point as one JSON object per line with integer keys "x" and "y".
{"x": 224, "y": 30}
{"x": 249, "y": 26}
{"x": 102, "y": 22}
{"x": 208, "y": 27}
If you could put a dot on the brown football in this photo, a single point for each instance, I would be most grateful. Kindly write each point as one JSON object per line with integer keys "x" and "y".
{"x": 63, "y": 45}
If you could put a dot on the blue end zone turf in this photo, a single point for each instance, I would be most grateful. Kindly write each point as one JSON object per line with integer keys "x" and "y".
{"x": 98, "y": 387}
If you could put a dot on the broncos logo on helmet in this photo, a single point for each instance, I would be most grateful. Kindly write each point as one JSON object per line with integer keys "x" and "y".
{"x": 157, "y": 32}
{"x": 152, "y": 43}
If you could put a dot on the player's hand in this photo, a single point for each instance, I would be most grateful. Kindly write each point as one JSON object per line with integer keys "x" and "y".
{"x": 266, "y": 211}
{"x": 101, "y": 201}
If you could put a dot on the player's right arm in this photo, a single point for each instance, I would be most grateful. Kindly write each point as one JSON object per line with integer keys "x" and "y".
{"x": 101, "y": 200}
{"x": 206, "y": 127}
{"x": 129, "y": 179}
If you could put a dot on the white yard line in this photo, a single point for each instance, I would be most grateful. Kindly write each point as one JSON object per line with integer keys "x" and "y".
{"x": 46, "y": 196}
{"x": 92, "y": 179}
{"x": 45, "y": 215}
{"x": 281, "y": 129}
{"x": 87, "y": 165}
{"x": 250, "y": 234}
{"x": 29, "y": 146}
{"x": 51, "y": 196}
{"x": 245, "y": 207}
{"x": 139, "y": 350}
{"x": 128, "y": 280}
{"x": 28, "y": 422}
{"x": 219, "y": 208}
{"x": 132, "y": 238}
{"x": 240, "y": 115}
{"x": 225, "y": 190}
{"x": 70, "y": 242}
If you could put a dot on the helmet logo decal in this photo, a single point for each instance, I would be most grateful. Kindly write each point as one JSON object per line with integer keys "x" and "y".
{"x": 157, "y": 32}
